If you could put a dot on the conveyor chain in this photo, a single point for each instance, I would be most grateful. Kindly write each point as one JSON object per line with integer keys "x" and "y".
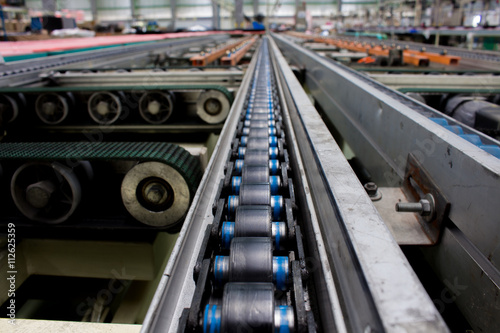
{"x": 250, "y": 273}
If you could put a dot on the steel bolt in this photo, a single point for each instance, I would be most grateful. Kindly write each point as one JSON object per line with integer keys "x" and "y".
{"x": 425, "y": 207}
{"x": 155, "y": 193}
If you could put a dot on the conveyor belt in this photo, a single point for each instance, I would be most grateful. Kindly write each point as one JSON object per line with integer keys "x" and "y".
{"x": 157, "y": 190}
{"x": 254, "y": 221}
{"x": 264, "y": 210}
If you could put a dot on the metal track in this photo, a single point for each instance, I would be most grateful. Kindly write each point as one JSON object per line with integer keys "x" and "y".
{"x": 456, "y": 51}
{"x": 28, "y": 71}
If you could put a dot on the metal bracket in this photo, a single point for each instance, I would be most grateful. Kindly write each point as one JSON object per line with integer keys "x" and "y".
{"x": 418, "y": 184}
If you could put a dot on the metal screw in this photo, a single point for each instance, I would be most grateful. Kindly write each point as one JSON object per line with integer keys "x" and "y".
{"x": 425, "y": 207}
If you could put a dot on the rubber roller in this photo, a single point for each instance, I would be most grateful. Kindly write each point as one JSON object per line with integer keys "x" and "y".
{"x": 274, "y": 181}
{"x": 49, "y": 192}
{"x": 248, "y": 307}
{"x": 275, "y": 230}
{"x": 253, "y": 221}
{"x": 247, "y": 141}
{"x": 259, "y": 132}
{"x": 155, "y": 194}
{"x": 251, "y": 260}
{"x": 274, "y": 165}
{"x": 273, "y": 152}
{"x": 256, "y": 194}
{"x": 259, "y": 116}
{"x": 261, "y": 110}
{"x": 256, "y": 157}
{"x": 259, "y": 123}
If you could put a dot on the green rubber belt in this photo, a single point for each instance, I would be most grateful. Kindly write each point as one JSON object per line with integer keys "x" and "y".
{"x": 176, "y": 157}
{"x": 139, "y": 88}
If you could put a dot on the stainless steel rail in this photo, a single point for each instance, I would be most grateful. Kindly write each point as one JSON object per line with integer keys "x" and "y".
{"x": 383, "y": 127}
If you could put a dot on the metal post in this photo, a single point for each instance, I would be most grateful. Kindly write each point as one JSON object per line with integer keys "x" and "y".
{"x": 215, "y": 15}
{"x": 238, "y": 14}
{"x": 173, "y": 9}
{"x": 93, "y": 6}
{"x": 133, "y": 10}
{"x": 418, "y": 13}
{"x": 255, "y": 7}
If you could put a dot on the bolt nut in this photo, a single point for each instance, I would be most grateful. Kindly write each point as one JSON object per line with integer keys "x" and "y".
{"x": 371, "y": 188}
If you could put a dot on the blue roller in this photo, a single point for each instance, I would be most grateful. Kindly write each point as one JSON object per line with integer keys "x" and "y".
{"x": 280, "y": 272}
{"x": 274, "y": 181}
{"x": 211, "y": 319}
{"x": 273, "y": 141}
{"x": 227, "y": 234}
{"x": 273, "y": 152}
{"x": 472, "y": 138}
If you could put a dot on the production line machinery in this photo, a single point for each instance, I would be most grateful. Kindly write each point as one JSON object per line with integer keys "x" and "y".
{"x": 283, "y": 233}
{"x": 111, "y": 167}
{"x": 281, "y": 236}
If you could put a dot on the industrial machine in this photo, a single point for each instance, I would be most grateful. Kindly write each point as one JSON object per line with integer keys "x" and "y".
{"x": 250, "y": 184}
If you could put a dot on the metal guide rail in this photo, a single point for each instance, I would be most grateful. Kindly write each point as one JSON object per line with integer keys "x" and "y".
{"x": 241, "y": 262}
{"x": 229, "y": 77}
{"x": 415, "y": 151}
{"x": 50, "y": 182}
{"x": 27, "y": 71}
{"x": 155, "y": 104}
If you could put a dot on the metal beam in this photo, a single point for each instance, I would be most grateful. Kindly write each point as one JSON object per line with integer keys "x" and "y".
{"x": 438, "y": 81}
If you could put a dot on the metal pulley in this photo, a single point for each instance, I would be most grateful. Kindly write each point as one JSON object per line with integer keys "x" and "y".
{"x": 104, "y": 107}
{"x": 49, "y": 192}
{"x": 155, "y": 194}
{"x": 156, "y": 107}
{"x": 212, "y": 106}
{"x": 53, "y": 108}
